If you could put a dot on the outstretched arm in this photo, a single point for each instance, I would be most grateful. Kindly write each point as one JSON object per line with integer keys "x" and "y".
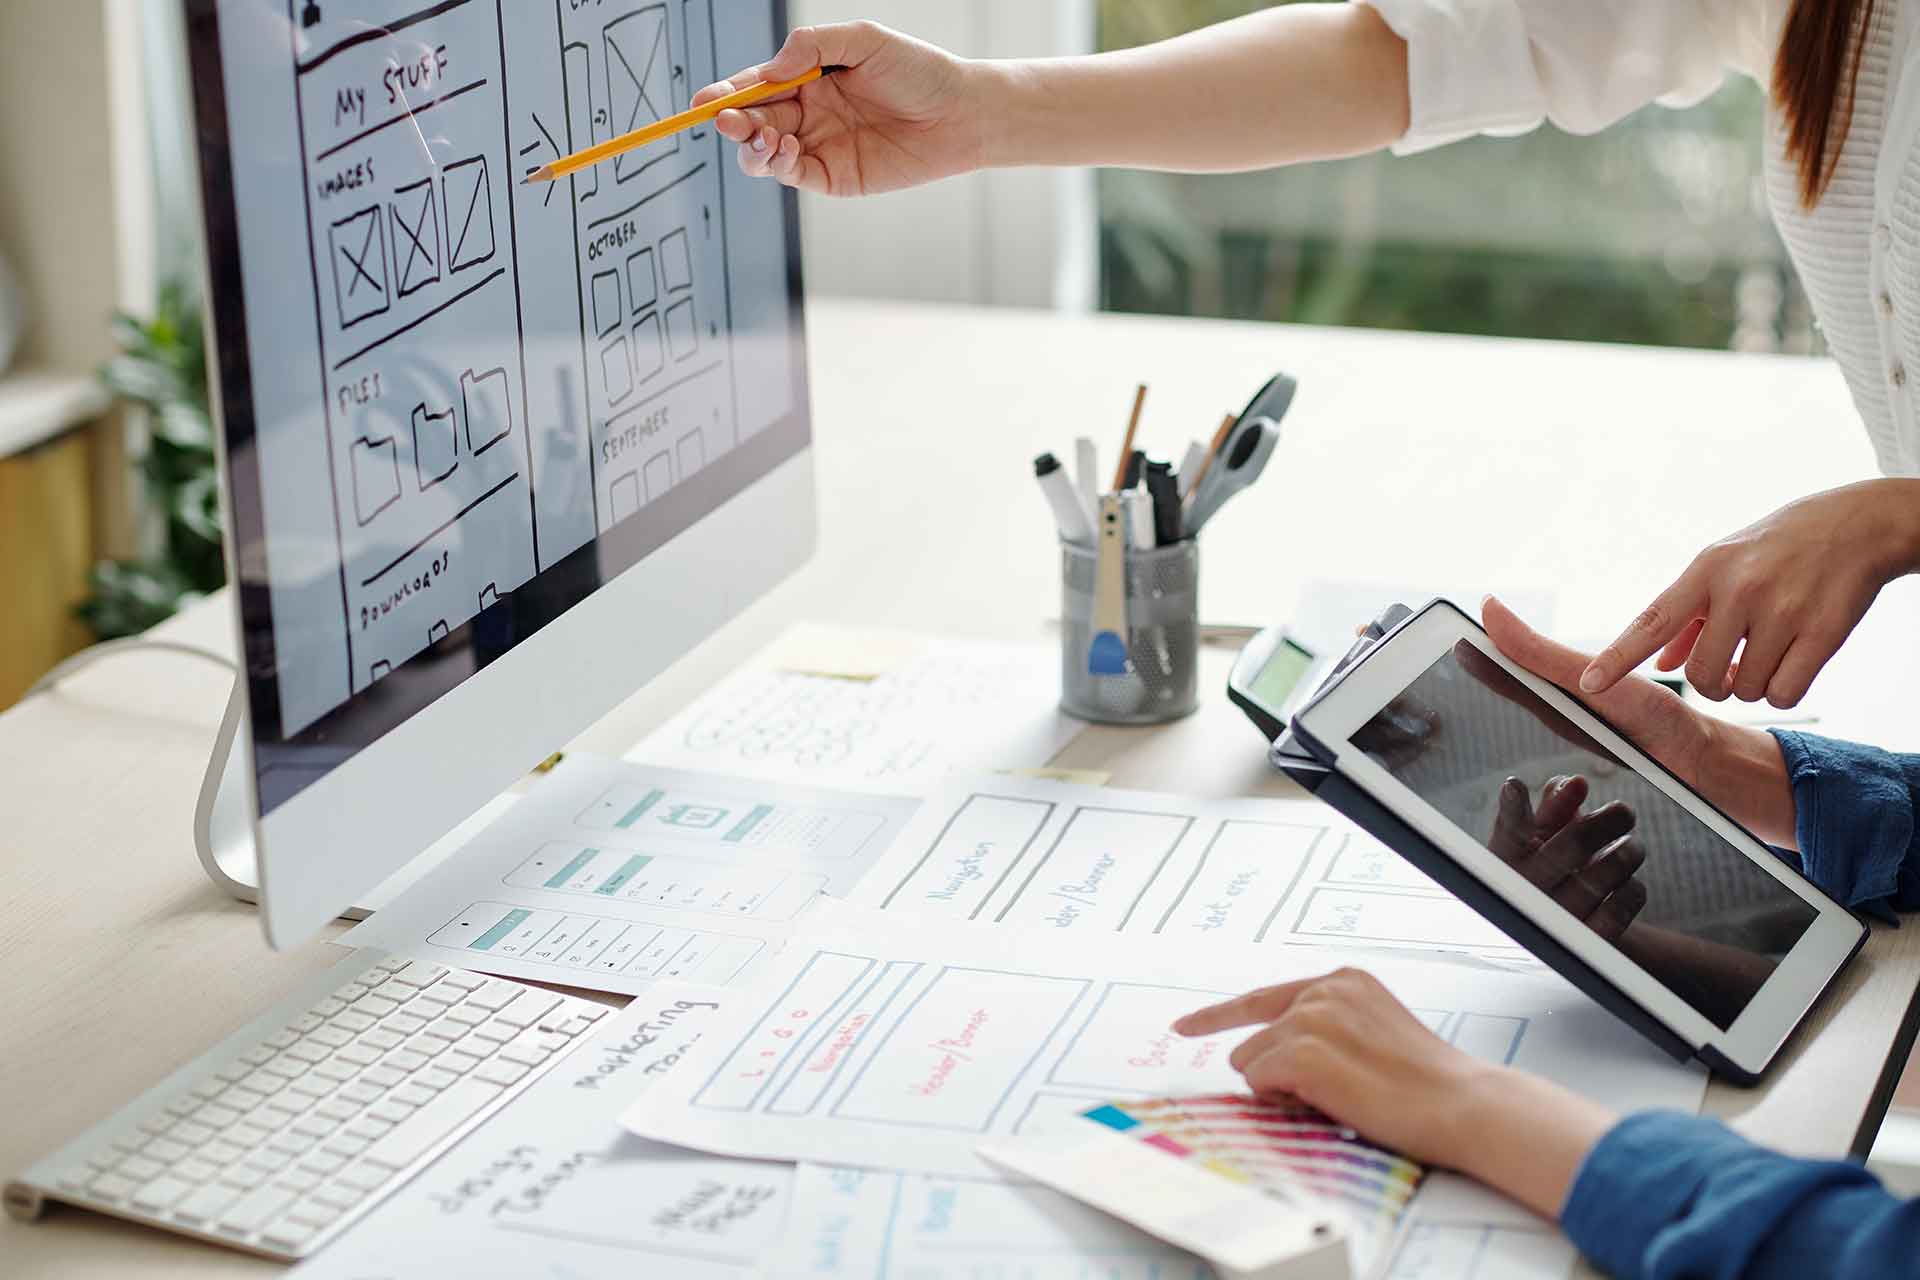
{"x": 1300, "y": 82}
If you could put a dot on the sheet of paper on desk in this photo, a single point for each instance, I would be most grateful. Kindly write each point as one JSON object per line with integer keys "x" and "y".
{"x": 552, "y": 1178}
{"x": 1090, "y": 860}
{"x": 955, "y": 707}
{"x": 610, "y": 876}
{"x": 853, "y": 1224}
{"x": 899, "y": 1042}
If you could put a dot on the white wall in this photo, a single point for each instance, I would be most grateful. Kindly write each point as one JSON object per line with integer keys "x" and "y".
{"x": 1017, "y": 238}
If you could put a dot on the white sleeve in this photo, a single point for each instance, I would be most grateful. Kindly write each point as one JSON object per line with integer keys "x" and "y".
{"x": 1503, "y": 67}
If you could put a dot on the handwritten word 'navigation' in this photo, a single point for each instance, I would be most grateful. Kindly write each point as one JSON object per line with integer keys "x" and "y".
{"x": 966, "y": 869}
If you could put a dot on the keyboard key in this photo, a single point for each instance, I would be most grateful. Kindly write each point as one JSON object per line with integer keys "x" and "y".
{"x": 243, "y": 1099}
{"x": 420, "y": 973}
{"x": 112, "y": 1187}
{"x": 297, "y": 1179}
{"x": 169, "y": 1151}
{"x": 233, "y": 1072}
{"x": 331, "y": 1037}
{"x": 206, "y": 1204}
{"x": 427, "y": 1046}
{"x": 369, "y": 1128}
{"x": 352, "y": 1020}
{"x": 207, "y": 1090}
{"x": 191, "y": 1132}
{"x": 404, "y": 1060}
{"x": 430, "y": 1005}
{"x": 467, "y": 1016}
{"x": 306, "y": 1024}
{"x": 382, "y": 1039}
{"x": 309, "y": 1052}
{"x": 573, "y": 1026}
{"x": 527, "y": 1055}
{"x": 363, "y": 1091}
{"x": 128, "y": 1143}
{"x": 292, "y": 1145}
{"x": 314, "y": 1127}
{"x": 397, "y": 992}
{"x": 384, "y": 1075}
{"x": 496, "y": 1031}
{"x": 222, "y": 1152}
{"x": 528, "y": 1009}
{"x": 338, "y": 1196}
{"x": 363, "y": 1176}
{"x": 262, "y": 1082}
{"x": 336, "y": 1071}
{"x": 196, "y": 1170}
{"x": 500, "y": 1073}
{"x": 218, "y": 1116}
{"x": 338, "y": 1110}
{"x": 494, "y": 996}
{"x": 405, "y": 1024}
{"x": 287, "y": 1235}
{"x": 463, "y": 981}
{"x": 352, "y": 991}
{"x": 312, "y": 1087}
{"x": 359, "y": 1055}
{"x": 266, "y": 1161}
{"x": 435, "y": 1078}
{"x": 447, "y": 1029}
{"x": 413, "y": 1095}
{"x": 157, "y": 1125}
{"x": 392, "y": 1110}
{"x": 315, "y": 1213}
{"x": 287, "y": 1066}
{"x": 280, "y": 1039}
{"x": 288, "y": 1105}
{"x": 457, "y": 1061}
{"x": 378, "y": 1006}
{"x": 181, "y": 1108}
{"x": 390, "y": 964}
{"x": 257, "y": 1055}
{"x": 255, "y": 1211}
{"x": 432, "y": 1123}
{"x": 323, "y": 1162}
{"x": 141, "y": 1169}
{"x": 161, "y": 1194}
{"x": 330, "y": 1007}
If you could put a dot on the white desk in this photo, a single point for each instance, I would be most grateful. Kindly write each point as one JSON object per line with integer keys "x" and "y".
{"x": 1415, "y": 458}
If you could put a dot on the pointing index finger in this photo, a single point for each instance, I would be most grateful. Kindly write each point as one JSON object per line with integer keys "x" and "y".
{"x": 1658, "y": 623}
{"x": 1263, "y": 1005}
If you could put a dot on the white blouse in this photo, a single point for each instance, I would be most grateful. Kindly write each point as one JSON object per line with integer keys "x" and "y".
{"x": 1502, "y": 67}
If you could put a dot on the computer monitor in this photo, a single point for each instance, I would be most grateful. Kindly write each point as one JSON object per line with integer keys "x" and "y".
{"x": 493, "y": 454}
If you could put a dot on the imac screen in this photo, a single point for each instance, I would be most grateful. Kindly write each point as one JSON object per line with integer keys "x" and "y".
{"x": 454, "y": 403}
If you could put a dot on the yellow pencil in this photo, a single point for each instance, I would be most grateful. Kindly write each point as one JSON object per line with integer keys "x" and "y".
{"x": 673, "y": 124}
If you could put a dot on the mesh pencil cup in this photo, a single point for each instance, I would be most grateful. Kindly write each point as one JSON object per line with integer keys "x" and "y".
{"x": 1162, "y": 680}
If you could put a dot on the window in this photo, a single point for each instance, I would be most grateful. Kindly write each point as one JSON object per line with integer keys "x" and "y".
{"x": 1653, "y": 232}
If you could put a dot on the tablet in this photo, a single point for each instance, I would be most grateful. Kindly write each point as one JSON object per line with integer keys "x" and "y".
{"x": 1578, "y": 845}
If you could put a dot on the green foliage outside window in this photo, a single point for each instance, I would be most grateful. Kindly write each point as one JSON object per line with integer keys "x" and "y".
{"x": 1653, "y": 232}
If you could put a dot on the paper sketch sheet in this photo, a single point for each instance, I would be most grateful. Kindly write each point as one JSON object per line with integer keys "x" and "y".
{"x": 612, "y": 876}
{"x": 901, "y": 1043}
{"x": 551, "y": 1187}
{"x": 954, "y": 708}
{"x": 855, "y": 1224}
{"x": 1081, "y": 860}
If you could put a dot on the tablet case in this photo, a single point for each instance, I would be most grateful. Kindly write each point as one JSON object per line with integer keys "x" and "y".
{"x": 1311, "y": 765}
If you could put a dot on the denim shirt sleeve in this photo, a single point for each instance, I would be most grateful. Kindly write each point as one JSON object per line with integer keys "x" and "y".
{"x": 1854, "y": 813}
{"x": 1665, "y": 1196}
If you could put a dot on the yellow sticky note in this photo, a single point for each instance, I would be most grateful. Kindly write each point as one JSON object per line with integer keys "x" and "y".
{"x": 1080, "y": 777}
{"x": 844, "y": 653}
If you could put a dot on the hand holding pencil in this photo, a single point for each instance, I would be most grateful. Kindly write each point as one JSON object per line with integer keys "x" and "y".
{"x": 899, "y": 114}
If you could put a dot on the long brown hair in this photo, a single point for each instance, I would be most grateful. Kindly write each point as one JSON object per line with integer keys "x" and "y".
{"x": 1814, "y": 76}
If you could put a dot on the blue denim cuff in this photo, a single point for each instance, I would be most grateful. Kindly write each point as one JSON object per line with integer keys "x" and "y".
{"x": 1638, "y": 1180}
{"x": 1853, "y": 815}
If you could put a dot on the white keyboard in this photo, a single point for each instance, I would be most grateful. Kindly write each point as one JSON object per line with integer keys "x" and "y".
{"x": 295, "y": 1126}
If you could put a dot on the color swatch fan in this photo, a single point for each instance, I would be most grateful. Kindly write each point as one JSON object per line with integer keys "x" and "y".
{"x": 1279, "y": 1148}
{"x": 1259, "y": 1189}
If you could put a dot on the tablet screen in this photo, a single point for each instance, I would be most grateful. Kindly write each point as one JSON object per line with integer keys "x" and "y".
{"x": 1602, "y": 842}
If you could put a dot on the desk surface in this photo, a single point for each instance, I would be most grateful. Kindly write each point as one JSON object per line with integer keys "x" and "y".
{"x": 1420, "y": 459}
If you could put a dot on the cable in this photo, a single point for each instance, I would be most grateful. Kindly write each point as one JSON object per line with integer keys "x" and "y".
{"x": 114, "y": 648}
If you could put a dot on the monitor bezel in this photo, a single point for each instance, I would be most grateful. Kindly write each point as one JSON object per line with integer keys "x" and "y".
{"x": 302, "y": 837}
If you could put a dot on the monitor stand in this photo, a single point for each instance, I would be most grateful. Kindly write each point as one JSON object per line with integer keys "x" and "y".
{"x": 223, "y": 819}
{"x": 223, "y": 822}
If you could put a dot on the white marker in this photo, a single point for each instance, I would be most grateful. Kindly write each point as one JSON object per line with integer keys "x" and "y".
{"x": 1068, "y": 514}
{"x": 1087, "y": 460}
